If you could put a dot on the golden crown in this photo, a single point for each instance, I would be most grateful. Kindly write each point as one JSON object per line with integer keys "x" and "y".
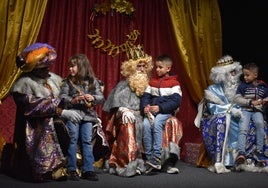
{"x": 225, "y": 60}
{"x": 135, "y": 52}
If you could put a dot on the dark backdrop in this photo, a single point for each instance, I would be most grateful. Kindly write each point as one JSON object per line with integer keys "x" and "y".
{"x": 245, "y": 32}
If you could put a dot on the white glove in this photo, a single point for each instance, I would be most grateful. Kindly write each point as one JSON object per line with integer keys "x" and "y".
{"x": 128, "y": 117}
{"x": 120, "y": 111}
{"x": 71, "y": 115}
{"x": 123, "y": 109}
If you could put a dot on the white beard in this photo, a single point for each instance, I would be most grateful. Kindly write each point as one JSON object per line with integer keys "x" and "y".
{"x": 230, "y": 85}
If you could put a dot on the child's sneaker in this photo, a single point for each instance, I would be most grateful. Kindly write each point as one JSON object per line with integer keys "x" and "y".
{"x": 259, "y": 157}
{"x": 73, "y": 176}
{"x": 90, "y": 175}
{"x": 240, "y": 159}
{"x": 155, "y": 163}
{"x": 172, "y": 170}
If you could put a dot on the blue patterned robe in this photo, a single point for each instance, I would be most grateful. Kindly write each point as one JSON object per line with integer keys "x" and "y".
{"x": 213, "y": 126}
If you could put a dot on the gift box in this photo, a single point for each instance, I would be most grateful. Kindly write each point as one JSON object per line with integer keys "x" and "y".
{"x": 192, "y": 152}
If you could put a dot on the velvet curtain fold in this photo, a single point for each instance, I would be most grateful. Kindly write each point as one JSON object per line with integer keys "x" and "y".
{"x": 68, "y": 23}
{"x": 176, "y": 28}
{"x": 20, "y": 23}
{"x": 197, "y": 28}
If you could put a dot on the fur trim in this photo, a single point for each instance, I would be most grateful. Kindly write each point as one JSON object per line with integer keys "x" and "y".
{"x": 210, "y": 97}
{"x": 133, "y": 168}
{"x": 218, "y": 73}
{"x": 249, "y": 166}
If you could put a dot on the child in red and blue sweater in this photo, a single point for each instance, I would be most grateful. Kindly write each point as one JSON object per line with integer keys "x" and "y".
{"x": 160, "y": 100}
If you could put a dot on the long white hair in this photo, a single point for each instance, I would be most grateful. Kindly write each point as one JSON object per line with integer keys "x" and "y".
{"x": 223, "y": 75}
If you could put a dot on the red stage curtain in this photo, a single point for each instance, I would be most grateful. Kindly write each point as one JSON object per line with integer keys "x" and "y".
{"x": 66, "y": 26}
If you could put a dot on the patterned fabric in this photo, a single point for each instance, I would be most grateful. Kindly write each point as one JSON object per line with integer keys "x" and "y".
{"x": 42, "y": 146}
{"x": 34, "y": 133}
{"x": 125, "y": 140}
{"x": 213, "y": 131}
{"x": 213, "y": 125}
{"x": 247, "y": 91}
{"x": 172, "y": 135}
{"x": 126, "y": 156}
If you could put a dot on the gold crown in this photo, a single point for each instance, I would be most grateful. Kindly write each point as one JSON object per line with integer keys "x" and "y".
{"x": 225, "y": 60}
{"x": 135, "y": 55}
{"x": 135, "y": 52}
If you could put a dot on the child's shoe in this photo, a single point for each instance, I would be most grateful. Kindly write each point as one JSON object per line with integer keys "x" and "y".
{"x": 73, "y": 176}
{"x": 155, "y": 162}
{"x": 260, "y": 158}
{"x": 240, "y": 159}
{"x": 90, "y": 175}
{"x": 172, "y": 170}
